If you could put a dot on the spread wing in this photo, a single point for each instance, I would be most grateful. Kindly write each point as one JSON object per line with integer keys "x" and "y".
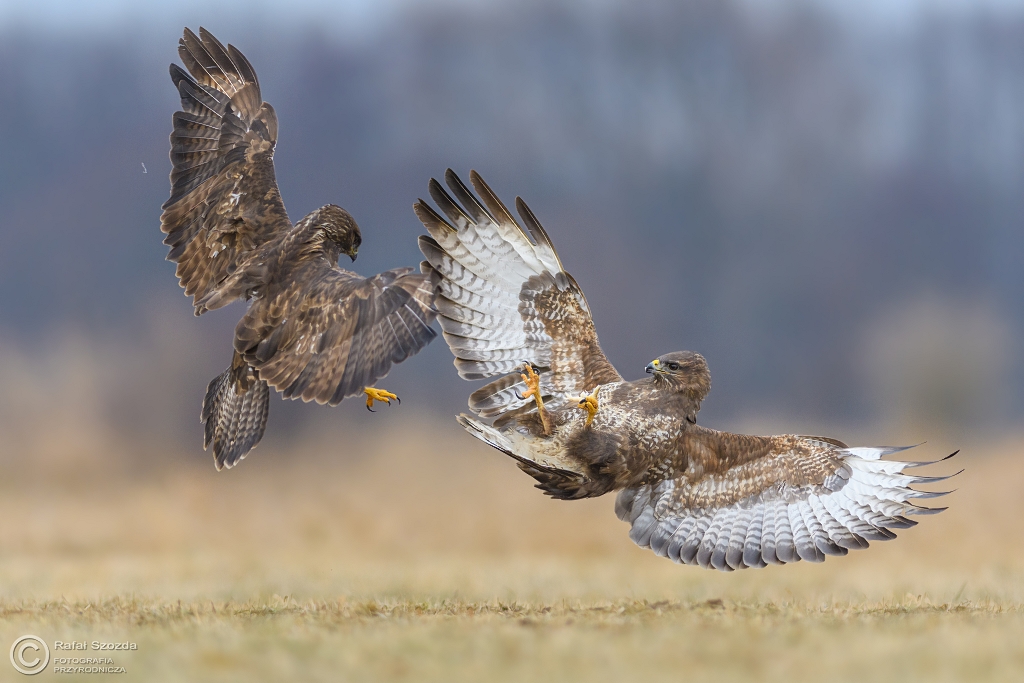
{"x": 504, "y": 299}
{"x": 329, "y": 333}
{"x": 779, "y": 500}
{"x": 224, "y": 199}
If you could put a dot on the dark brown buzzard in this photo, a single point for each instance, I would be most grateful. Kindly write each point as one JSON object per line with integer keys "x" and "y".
{"x": 693, "y": 494}
{"x": 313, "y": 330}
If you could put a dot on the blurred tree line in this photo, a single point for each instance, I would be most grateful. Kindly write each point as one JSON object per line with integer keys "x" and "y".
{"x": 829, "y": 209}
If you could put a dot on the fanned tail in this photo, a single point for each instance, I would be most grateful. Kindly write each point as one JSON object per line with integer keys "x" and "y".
{"x": 557, "y": 482}
{"x": 234, "y": 413}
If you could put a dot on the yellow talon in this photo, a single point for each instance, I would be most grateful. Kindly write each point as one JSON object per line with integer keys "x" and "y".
{"x": 381, "y": 395}
{"x": 532, "y": 380}
{"x": 589, "y": 403}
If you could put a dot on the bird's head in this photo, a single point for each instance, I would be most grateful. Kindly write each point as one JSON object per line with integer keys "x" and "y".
{"x": 685, "y": 370}
{"x": 339, "y": 227}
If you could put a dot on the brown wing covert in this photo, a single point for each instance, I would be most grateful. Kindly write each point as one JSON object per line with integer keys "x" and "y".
{"x": 224, "y": 198}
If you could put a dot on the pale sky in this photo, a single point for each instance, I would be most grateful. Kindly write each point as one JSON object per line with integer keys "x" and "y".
{"x": 355, "y": 17}
{"x": 77, "y": 16}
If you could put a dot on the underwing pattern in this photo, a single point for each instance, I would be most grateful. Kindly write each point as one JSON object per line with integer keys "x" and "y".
{"x": 692, "y": 494}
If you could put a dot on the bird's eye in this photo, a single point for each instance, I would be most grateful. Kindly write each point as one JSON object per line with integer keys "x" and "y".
{"x": 673, "y": 366}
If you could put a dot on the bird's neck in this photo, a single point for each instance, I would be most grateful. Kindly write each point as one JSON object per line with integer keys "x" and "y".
{"x": 315, "y": 242}
{"x": 669, "y": 384}
{"x": 685, "y": 396}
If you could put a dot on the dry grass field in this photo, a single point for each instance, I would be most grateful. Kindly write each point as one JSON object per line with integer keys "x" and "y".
{"x": 377, "y": 558}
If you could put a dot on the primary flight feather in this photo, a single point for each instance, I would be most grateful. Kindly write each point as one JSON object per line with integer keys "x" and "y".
{"x": 509, "y": 310}
{"x": 313, "y": 330}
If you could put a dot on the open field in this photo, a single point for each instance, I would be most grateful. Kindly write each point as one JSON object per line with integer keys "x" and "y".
{"x": 405, "y": 563}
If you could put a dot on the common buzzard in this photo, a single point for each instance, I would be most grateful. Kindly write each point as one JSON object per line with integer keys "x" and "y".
{"x": 313, "y": 330}
{"x": 696, "y": 495}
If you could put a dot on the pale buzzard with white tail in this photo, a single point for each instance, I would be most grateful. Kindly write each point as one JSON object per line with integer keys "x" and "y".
{"x": 696, "y": 495}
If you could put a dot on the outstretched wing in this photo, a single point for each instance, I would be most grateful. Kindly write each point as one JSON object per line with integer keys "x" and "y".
{"x": 329, "y": 333}
{"x": 781, "y": 499}
{"x": 504, "y": 299}
{"x": 224, "y": 199}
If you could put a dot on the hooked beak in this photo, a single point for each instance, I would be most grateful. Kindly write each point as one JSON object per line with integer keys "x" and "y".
{"x": 654, "y": 366}
{"x": 352, "y": 254}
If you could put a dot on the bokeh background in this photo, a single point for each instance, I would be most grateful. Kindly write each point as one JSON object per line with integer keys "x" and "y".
{"x": 824, "y": 198}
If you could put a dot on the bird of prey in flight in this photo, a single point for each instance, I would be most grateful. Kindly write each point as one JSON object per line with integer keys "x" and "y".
{"x": 313, "y": 330}
{"x": 508, "y": 309}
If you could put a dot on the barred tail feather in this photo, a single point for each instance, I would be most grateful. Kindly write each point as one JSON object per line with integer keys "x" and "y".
{"x": 234, "y": 417}
{"x": 558, "y": 482}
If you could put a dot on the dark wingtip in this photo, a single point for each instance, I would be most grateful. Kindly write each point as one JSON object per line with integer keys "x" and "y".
{"x": 206, "y": 36}
{"x": 934, "y": 480}
{"x": 925, "y": 463}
